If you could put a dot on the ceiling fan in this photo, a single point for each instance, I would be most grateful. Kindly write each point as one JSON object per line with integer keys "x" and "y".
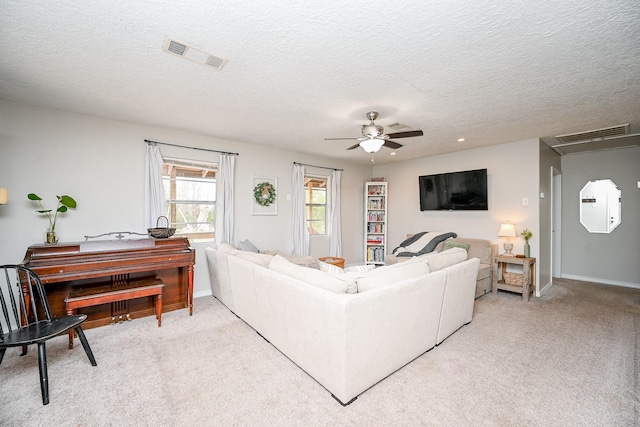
{"x": 374, "y": 138}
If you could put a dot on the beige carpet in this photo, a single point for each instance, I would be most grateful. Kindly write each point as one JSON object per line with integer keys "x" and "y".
{"x": 570, "y": 358}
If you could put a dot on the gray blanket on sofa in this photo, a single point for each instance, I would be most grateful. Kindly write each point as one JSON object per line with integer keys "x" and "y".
{"x": 421, "y": 243}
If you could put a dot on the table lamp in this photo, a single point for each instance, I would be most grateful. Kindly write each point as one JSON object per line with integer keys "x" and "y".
{"x": 4, "y": 196}
{"x": 507, "y": 230}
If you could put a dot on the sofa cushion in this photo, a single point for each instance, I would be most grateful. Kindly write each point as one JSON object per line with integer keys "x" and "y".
{"x": 260, "y": 259}
{"x": 478, "y": 248}
{"x": 303, "y": 260}
{"x": 389, "y": 274}
{"x": 227, "y": 248}
{"x": 439, "y": 260}
{"x": 484, "y": 271}
{"x": 421, "y": 243}
{"x": 313, "y": 276}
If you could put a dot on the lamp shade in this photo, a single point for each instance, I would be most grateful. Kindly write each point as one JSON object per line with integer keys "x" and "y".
{"x": 507, "y": 230}
{"x": 4, "y": 196}
{"x": 372, "y": 145}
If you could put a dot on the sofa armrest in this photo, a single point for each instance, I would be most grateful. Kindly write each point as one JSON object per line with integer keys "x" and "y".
{"x": 219, "y": 276}
{"x": 459, "y": 297}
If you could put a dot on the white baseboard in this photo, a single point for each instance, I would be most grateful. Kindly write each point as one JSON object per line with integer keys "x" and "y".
{"x": 544, "y": 289}
{"x": 602, "y": 281}
{"x": 202, "y": 294}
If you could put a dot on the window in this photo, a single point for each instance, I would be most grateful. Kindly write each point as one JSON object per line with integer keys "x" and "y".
{"x": 316, "y": 204}
{"x": 190, "y": 192}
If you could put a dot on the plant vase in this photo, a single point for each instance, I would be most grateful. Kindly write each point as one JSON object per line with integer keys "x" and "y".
{"x": 527, "y": 250}
{"x": 51, "y": 238}
{"x": 64, "y": 204}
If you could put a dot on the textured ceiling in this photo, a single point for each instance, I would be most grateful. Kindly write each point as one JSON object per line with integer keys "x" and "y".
{"x": 300, "y": 71}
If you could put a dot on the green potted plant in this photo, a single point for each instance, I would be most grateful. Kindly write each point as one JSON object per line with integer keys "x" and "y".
{"x": 64, "y": 204}
{"x": 526, "y": 235}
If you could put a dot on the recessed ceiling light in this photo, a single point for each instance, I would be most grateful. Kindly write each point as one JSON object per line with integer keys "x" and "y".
{"x": 460, "y": 139}
{"x": 393, "y": 153}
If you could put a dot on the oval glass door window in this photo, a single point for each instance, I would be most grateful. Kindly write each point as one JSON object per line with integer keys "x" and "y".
{"x": 600, "y": 206}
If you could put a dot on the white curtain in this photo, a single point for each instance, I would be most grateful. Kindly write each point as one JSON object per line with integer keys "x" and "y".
{"x": 156, "y": 203}
{"x": 335, "y": 224}
{"x": 300, "y": 232}
{"x": 224, "y": 198}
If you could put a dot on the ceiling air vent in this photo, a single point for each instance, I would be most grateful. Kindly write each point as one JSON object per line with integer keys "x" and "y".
{"x": 193, "y": 54}
{"x": 595, "y": 140}
{"x": 177, "y": 48}
{"x": 594, "y": 134}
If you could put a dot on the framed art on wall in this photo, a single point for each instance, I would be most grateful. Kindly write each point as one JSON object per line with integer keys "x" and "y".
{"x": 264, "y": 200}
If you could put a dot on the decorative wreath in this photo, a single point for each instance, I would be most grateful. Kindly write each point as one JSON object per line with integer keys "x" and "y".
{"x": 264, "y": 193}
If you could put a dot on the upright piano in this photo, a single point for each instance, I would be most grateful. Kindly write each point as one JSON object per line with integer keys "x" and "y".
{"x": 63, "y": 267}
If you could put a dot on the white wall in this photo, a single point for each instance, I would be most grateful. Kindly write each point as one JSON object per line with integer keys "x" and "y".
{"x": 512, "y": 171}
{"x": 100, "y": 163}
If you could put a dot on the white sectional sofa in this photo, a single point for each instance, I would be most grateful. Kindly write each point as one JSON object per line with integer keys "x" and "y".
{"x": 347, "y": 341}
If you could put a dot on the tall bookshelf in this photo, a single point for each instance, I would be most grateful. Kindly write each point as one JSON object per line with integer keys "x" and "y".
{"x": 375, "y": 216}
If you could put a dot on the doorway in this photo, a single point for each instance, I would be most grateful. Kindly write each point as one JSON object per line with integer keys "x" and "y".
{"x": 556, "y": 223}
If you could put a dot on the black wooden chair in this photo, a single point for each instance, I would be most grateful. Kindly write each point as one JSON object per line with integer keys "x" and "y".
{"x": 27, "y": 319}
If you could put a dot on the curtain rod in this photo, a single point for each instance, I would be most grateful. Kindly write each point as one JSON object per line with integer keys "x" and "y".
{"x": 192, "y": 148}
{"x": 314, "y": 166}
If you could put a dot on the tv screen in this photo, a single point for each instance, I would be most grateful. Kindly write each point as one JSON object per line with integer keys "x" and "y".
{"x": 466, "y": 190}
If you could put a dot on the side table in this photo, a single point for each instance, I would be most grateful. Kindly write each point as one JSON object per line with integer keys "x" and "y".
{"x": 500, "y": 275}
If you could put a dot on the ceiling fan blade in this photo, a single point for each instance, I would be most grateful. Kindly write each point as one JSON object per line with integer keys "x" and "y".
{"x": 354, "y": 146}
{"x": 391, "y": 144}
{"x": 407, "y": 134}
{"x": 337, "y": 139}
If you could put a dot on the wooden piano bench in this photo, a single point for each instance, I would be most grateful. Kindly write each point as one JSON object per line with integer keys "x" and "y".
{"x": 87, "y": 297}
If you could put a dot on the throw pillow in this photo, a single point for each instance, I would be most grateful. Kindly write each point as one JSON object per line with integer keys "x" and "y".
{"x": 246, "y": 245}
{"x": 303, "y": 260}
{"x": 350, "y": 276}
{"x": 392, "y": 274}
{"x": 421, "y": 243}
{"x": 330, "y": 268}
{"x": 449, "y": 244}
{"x": 439, "y": 260}
{"x": 359, "y": 268}
{"x": 313, "y": 277}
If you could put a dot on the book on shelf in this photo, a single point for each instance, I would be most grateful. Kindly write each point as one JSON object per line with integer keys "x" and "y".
{"x": 376, "y": 190}
{"x": 377, "y": 228}
{"x": 376, "y": 216}
{"x": 375, "y": 254}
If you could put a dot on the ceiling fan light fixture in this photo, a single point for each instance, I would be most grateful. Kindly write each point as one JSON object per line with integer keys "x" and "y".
{"x": 372, "y": 145}
{"x": 372, "y": 130}
{"x": 374, "y": 137}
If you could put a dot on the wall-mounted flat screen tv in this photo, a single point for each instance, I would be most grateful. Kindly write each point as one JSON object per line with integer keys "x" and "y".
{"x": 454, "y": 191}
